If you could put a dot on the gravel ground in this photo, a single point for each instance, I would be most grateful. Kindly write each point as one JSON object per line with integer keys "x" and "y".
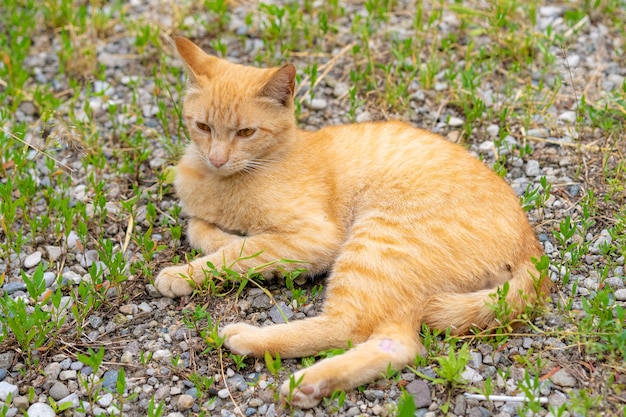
{"x": 139, "y": 321}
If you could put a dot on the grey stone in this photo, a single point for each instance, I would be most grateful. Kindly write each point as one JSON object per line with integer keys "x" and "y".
{"x": 532, "y": 168}
{"x": 72, "y": 398}
{"x": 277, "y": 316}
{"x": 3, "y": 373}
{"x": 568, "y": 116}
{"x": 261, "y": 302}
{"x": 12, "y": 287}
{"x": 109, "y": 379}
{"x": 32, "y": 260}
{"x": 95, "y": 321}
{"x": 145, "y": 307}
{"x": 563, "y": 379}
{"x": 21, "y": 402}
{"x": 615, "y": 282}
{"x": 455, "y": 121}
{"x": 6, "y": 360}
{"x": 105, "y": 400}
{"x": 538, "y": 133}
{"x": 59, "y": 390}
{"x": 40, "y": 410}
{"x": 72, "y": 240}
{"x": 479, "y": 412}
{"x": 54, "y": 252}
{"x": 152, "y": 291}
{"x": 557, "y": 399}
{"x": 476, "y": 359}
{"x": 363, "y": 117}
{"x": 68, "y": 374}
{"x": 316, "y": 104}
{"x": 493, "y": 130}
{"x": 420, "y": 392}
{"x": 184, "y": 402}
{"x": 460, "y": 404}
{"x": 163, "y": 356}
{"x": 6, "y": 389}
{"x": 471, "y": 375}
{"x": 223, "y": 393}
{"x": 620, "y": 294}
{"x": 49, "y": 278}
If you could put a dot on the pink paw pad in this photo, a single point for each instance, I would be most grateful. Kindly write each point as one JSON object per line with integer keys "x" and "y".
{"x": 387, "y": 345}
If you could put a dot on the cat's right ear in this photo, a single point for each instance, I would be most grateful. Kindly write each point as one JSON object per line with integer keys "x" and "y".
{"x": 196, "y": 59}
{"x": 281, "y": 86}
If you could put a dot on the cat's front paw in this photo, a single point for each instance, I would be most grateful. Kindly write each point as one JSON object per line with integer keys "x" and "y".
{"x": 242, "y": 339}
{"x": 174, "y": 281}
{"x": 302, "y": 393}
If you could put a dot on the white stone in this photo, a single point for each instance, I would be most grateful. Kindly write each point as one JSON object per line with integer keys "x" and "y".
{"x": 316, "y": 104}
{"x": 486, "y": 146}
{"x": 40, "y": 410}
{"x": 72, "y": 398}
{"x": 493, "y": 130}
{"x": 532, "y": 168}
{"x": 620, "y": 294}
{"x": 363, "y": 117}
{"x": 455, "y": 121}
{"x": 72, "y": 240}
{"x": 69, "y": 374}
{"x": 471, "y": 375}
{"x": 32, "y": 260}
{"x": 568, "y": 116}
{"x": 162, "y": 355}
{"x": 105, "y": 400}
{"x": 6, "y": 389}
{"x": 54, "y": 252}
{"x": 72, "y": 276}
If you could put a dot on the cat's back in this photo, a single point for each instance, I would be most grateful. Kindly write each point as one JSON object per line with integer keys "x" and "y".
{"x": 383, "y": 150}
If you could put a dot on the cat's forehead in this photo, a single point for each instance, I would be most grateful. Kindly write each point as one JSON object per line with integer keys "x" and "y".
{"x": 223, "y": 76}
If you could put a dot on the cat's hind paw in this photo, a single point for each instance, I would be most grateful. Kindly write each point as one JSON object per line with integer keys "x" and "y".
{"x": 300, "y": 393}
{"x": 241, "y": 339}
{"x": 174, "y": 281}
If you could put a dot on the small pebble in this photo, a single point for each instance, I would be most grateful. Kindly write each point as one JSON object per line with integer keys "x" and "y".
{"x": 41, "y": 410}
{"x": 532, "y": 168}
{"x": 563, "y": 379}
{"x": 12, "y": 287}
{"x": 568, "y": 116}
{"x": 620, "y": 295}
{"x": 185, "y": 402}
{"x": 59, "y": 390}
{"x": 316, "y": 104}
{"x": 455, "y": 121}
{"x": 6, "y": 389}
{"x": 32, "y": 260}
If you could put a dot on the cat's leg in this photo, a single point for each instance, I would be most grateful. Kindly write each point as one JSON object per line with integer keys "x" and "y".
{"x": 315, "y": 249}
{"x": 395, "y": 348}
{"x": 208, "y": 238}
{"x": 291, "y": 340}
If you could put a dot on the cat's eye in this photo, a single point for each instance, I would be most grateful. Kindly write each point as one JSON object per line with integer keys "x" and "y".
{"x": 246, "y": 132}
{"x": 203, "y": 126}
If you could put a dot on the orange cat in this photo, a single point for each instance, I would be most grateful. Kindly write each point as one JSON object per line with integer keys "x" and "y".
{"x": 412, "y": 229}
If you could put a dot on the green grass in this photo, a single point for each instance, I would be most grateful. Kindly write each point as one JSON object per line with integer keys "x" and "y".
{"x": 60, "y": 132}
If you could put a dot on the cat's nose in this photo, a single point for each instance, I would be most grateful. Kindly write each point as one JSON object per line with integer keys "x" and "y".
{"x": 217, "y": 162}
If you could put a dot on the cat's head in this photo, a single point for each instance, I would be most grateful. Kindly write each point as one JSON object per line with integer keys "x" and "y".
{"x": 240, "y": 118}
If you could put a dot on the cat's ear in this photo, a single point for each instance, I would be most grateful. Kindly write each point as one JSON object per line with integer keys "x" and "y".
{"x": 196, "y": 59}
{"x": 281, "y": 85}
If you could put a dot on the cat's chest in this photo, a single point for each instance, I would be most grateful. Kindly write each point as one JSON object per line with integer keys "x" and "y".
{"x": 229, "y": 205}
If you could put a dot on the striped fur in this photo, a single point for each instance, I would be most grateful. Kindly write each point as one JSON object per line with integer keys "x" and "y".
{"x": 411, "y": 229}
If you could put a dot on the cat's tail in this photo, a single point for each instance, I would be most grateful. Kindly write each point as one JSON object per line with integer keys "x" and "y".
{"x": 489, "y": 308}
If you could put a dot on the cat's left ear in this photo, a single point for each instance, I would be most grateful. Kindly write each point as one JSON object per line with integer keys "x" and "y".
{"x": 281, "y": 85}
{"x": 198, "y": 61}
